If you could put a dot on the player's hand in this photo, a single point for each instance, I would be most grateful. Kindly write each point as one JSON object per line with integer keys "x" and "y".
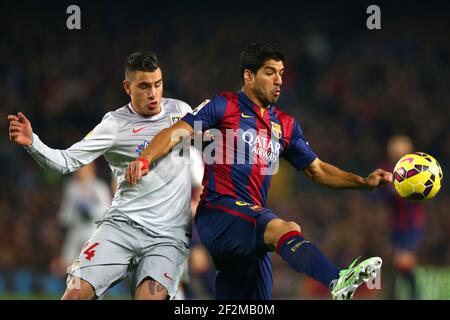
{"x": 135, "y": 171}
{"x": 20, "y": 130}
{"x": 378, "y": 178}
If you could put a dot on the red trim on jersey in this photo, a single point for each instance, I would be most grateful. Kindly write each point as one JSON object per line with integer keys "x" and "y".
{"x": 255, "y": 183}
{"x": 205, "y": 181}
{"x": 232, "y": 212}
{"x": 222, "y": 172}
{"x": 285, "y": 237}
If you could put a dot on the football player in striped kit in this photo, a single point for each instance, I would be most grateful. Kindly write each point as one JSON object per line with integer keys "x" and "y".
{"x": 251, "y": 134}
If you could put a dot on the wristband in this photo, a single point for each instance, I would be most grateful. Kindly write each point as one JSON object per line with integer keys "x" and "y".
{"x": 145, "y": 162}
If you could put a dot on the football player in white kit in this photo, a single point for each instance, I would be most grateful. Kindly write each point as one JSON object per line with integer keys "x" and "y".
{"x": 145, "y": 233}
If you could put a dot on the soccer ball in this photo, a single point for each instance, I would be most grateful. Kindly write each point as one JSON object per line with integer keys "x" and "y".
{"x": 417, "y": 176}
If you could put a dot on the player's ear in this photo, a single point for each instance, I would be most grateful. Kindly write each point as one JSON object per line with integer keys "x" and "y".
{"x": 248, "y": 75}
{"x": 126, "y": 87}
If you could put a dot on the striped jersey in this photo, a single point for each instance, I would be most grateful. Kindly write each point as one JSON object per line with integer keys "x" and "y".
{"x": 247, "y": 146}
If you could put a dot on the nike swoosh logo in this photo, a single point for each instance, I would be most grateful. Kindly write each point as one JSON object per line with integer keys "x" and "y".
{"x": 245, "y": 116}
{"x": 166, "y": 276}
{"x": 407, "y": 159}
{"x": 140, "y": 129}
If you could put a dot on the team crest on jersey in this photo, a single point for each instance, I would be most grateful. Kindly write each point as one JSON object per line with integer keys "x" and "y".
{"x": 200, "y": 106}
{"x": 141, "y": 147}
{"x": 174, "y": 118}
{"x": 276, "y": 129}
{"x": 256, "y": 208}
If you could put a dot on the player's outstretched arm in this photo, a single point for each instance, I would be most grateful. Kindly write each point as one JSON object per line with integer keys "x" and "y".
{"x": 333, "y": 177}
{"x": 20, "y": 130}
{"x": 62, "y": 161}
{"x": 161, "y": 145}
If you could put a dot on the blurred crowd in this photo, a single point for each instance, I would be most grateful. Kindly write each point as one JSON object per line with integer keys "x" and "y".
{"x": 351, "y": 89}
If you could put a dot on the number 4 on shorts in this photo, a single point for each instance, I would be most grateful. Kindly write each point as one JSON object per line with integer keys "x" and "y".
{"x": 90, "y": 252}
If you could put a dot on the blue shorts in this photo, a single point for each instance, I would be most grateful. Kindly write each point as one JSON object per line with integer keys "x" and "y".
{"x": 233, "y": 233}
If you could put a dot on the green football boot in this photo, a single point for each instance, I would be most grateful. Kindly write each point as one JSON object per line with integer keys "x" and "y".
{"x": 352, "y": 277}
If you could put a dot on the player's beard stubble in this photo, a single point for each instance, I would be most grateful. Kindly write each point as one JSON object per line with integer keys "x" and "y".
{"x": 266, "y": 99}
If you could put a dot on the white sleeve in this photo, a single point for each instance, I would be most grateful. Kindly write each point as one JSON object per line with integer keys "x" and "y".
{"x": 196, "y": 159}
{"x": 96, "y": 143}
{"x": 185, "y": 108}
{"x": 197, "y": 167}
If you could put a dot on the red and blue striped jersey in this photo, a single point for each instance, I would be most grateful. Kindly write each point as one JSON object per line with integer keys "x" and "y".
{"x": 247, "y": 146}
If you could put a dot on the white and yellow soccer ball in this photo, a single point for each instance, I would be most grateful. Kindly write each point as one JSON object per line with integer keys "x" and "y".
{"x": 417, "y": 176}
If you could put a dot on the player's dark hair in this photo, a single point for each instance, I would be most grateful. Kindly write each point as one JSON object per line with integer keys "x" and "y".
{"x": 141, "y": 61}
{"x": 254, "y": 56}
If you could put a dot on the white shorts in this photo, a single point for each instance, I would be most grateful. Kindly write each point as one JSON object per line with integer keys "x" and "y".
{"x": 119, "y": 249}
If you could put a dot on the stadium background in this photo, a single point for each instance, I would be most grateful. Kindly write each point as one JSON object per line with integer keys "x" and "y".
{"x": 350, "y": 88}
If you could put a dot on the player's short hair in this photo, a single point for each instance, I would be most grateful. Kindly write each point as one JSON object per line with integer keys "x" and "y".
{"x": 254, "y": 56}
{"x": 141, "y": 61}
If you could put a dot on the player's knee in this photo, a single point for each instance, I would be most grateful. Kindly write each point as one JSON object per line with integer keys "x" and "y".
{"x": 288, "y": 228}
{"x": 277, "y": 229}
{"x": 77, "y": 294}
{"x": 285, "y": 228}
{"x": 72, "y": 294}
{"x": 291, "y": 226}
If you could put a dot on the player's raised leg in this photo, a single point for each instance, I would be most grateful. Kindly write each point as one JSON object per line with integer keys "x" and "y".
{"x": 286, "y": 239}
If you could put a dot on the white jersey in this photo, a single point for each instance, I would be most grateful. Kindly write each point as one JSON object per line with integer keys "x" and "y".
{"x": 197, "y": 167}
{"x": 161, "y": 200}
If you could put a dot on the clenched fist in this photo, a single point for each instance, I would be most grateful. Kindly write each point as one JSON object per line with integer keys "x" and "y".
{"x": 378, "y": 178}
{"x": 136, "y": 170}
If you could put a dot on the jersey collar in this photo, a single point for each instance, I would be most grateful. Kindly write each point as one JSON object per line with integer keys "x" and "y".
{"x": 256, "y": 109}
{"x": 249, "y": 102}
